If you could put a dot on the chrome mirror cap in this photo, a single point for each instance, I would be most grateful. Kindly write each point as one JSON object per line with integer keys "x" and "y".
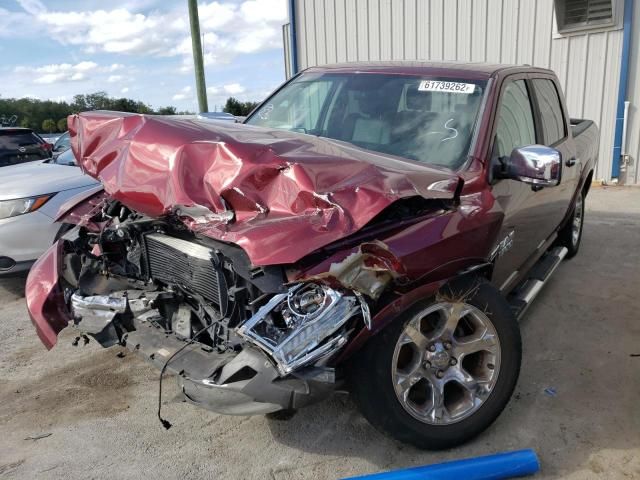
{"x": 535, "y": 164}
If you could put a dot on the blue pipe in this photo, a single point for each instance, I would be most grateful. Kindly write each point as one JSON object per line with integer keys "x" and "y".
{"x": 622, "y": 87}
{"x": 294, "y": 37}
{"x": 490, "y": 467}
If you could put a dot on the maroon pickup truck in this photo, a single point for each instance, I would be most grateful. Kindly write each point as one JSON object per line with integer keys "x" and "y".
{"x": 378, "y": 228}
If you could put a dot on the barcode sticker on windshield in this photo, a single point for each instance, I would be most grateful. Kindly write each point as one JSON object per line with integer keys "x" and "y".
{"x": 442, "y": 86}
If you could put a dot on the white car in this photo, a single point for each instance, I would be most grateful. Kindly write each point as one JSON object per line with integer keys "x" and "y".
{"x": 31, "y": 195}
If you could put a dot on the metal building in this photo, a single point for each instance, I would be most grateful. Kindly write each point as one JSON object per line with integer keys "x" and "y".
{"x": 593, "y": 46}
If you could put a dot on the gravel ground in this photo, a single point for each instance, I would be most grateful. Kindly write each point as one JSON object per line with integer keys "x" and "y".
{"x": 96, "y": 412}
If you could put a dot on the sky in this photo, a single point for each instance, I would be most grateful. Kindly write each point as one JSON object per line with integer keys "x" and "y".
{"x": 140, "y": 49}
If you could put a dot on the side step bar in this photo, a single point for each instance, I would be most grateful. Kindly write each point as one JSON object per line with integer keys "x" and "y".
{"x": 522, "y": 296}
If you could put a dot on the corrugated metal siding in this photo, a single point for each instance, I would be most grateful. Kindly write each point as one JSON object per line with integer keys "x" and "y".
{"x": 502, "y": 31}
{"x": 633, "y": 127}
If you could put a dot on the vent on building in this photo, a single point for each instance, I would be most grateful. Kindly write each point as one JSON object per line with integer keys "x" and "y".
{"x": 575, "y": 15}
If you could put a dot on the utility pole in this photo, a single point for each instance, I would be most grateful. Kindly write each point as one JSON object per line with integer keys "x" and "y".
{"x": 196, "y": 46}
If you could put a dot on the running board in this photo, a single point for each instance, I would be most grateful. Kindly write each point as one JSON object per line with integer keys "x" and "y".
{"x": 521, "y": 298}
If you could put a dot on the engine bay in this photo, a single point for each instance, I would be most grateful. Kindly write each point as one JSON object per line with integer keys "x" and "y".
{"x": 123, "y": 270}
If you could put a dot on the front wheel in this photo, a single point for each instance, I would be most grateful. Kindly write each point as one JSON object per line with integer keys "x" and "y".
{"x": 442, "y": 374}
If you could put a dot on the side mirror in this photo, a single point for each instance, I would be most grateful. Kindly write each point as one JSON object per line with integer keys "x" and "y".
{"x": 536, "y": 165}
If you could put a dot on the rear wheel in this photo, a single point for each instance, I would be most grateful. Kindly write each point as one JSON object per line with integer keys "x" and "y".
{"x": 571, "y": 234}
{"x": 443, "y": 373}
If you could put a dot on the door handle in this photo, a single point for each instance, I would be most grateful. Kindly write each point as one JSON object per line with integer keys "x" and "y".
{"x": 570, "y": 162}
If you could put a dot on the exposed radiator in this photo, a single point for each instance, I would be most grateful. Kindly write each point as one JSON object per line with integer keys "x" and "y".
{"x": 190, "y": 265}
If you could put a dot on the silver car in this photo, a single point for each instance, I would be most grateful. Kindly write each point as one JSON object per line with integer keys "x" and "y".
{"x": 31, "y": 195}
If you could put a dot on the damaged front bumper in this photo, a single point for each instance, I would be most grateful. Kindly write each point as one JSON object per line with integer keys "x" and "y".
{"x": 272, "y": 371}
{"x": 246, "y": 383}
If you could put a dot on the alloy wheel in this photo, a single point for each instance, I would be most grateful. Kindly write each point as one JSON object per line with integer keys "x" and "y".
{"x": 576, "y": 227}
{"x": 446, "y": 363}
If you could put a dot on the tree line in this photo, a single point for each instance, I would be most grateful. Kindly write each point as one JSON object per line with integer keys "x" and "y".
{"x": 51, "y": 116}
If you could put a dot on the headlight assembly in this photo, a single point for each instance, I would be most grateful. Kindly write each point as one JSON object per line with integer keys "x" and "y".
{"x": 20, "y": 206}
{"x": 303, "y": 325}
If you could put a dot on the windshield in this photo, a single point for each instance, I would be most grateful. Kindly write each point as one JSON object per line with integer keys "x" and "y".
{"x": 65, "y": 158}
{"x": 63, "y": 143}
{"x": 429, "y": 120}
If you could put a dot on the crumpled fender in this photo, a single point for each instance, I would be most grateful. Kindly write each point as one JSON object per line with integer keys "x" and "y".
{"x": 279, "y": 195}
{"x": 45, "y": 301}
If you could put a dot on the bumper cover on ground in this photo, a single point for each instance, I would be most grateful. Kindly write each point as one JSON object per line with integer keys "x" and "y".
{"x": 246, "y": 383}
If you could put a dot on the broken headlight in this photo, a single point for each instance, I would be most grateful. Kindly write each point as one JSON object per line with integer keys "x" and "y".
{"x": 302, "y": 325}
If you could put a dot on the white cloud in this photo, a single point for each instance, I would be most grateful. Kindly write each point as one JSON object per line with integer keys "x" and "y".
{"x": 13, "y": 24}
{"x": 114, "y": 78}
{"x": 184, "y": 94}
{"x": 256, "y": 11}
{"x": 32, "y": 7}
{"x": 229, "y": 29}
{"x": 84, "y": 66}
{"x": 55, "y": 73}
{"x": 124, "y": 90}
{"x": 50, "y": 78}
{"x": 234, "y": 88}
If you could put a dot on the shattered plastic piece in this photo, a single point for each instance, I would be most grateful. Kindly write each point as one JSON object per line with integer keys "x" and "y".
{"x": 202, "y": 215}
{"x": 96, "y": 312}
{"x": 367, "y": 271}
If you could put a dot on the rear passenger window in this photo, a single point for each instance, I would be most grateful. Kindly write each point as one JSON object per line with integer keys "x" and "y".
{"x": 515, "y": 120}
{"x": 553, "y": 124}
{"x": 13, "y": 141}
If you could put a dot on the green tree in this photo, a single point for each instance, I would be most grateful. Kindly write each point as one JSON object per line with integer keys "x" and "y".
{"x": 48, "y": 125}
{"x": 238, "y": 108}
{"x": 32, "y": 113}
{"x": 62, "y": 124}
{"x": 167, "y": 111}
{"x": 233, "y": 106}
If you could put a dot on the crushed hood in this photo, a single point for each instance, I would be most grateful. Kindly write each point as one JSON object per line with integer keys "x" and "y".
{"x": 279, "y": 195}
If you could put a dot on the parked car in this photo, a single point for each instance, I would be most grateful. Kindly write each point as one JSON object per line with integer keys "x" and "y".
{"x": 20, "y": 145}
{"x": 63, "y": 143}
{"x": 30, "y": 196}
{"x": 375, "y": 227}
{"x": 219, "y": 116}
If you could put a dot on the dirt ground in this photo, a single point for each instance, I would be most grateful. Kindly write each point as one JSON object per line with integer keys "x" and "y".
{"x": 96, "y": 412}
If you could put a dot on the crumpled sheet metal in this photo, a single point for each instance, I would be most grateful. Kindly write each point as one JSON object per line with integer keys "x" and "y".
{"x": 290, "y": 193}
{"x": 367, "y": 270}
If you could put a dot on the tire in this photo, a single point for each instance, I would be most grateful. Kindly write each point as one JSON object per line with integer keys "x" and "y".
{"x": 571, "y": 234}
{"x": 372, "y": 372}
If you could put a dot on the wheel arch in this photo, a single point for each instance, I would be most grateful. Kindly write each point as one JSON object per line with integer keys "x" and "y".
{"x": 586, "y": 186}
{"x": 408, "y": 300}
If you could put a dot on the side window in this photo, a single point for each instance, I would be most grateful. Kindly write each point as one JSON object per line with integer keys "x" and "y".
{"x": 553, "y": 123}
{"x": 515, "y": 120}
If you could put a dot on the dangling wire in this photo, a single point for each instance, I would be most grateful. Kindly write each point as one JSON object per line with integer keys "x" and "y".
{"x": 166, "y": 423}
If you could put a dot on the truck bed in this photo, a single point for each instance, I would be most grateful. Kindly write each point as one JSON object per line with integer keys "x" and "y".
{"x": 587, "y": 137}
{"x": 579, "y": 125}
